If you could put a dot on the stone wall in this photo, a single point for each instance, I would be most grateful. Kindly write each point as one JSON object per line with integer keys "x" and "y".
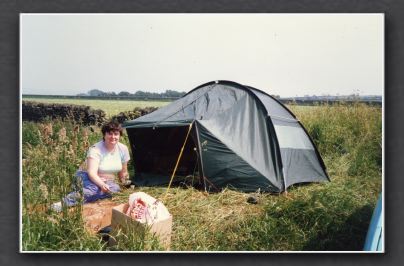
{"x": 34, "y": 111}
{"x": 130, "y": 115}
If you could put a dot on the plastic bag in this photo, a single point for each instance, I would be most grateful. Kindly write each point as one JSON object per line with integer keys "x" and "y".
{"x": 146, "y": 209}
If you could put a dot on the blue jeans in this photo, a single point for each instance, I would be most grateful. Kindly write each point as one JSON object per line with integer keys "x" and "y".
{"x": 91, "y": 192}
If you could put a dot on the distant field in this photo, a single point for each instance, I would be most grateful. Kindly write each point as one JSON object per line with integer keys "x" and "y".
{"x": 111, "y": 107}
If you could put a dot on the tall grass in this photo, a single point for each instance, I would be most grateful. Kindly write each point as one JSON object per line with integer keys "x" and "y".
{"x": 327, "y": 216}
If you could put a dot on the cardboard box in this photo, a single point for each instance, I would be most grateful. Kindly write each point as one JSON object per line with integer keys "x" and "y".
{"x": 161, "y": 229}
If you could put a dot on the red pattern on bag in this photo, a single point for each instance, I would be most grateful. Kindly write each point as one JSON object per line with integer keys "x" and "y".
{"x": 137, "y": 210}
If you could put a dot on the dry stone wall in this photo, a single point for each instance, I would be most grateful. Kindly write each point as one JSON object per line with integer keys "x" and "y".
{"x": 33, "y": 111}
{"x": 129, "y": 115}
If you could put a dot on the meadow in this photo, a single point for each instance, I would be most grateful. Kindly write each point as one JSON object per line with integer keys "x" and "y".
{"x": 332, "y": 216}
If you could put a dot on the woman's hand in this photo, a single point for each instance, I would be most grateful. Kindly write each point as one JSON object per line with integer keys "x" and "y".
{"x": 105, "y": 188}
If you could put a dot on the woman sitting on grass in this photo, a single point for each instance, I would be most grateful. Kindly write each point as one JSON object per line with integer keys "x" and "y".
{"x": 104, "y": 160}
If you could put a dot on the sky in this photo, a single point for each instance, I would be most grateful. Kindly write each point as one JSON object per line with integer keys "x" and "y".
{"x": 282, "y": 54}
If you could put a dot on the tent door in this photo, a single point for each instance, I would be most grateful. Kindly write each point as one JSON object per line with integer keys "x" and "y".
{"x": 155, "y": 152}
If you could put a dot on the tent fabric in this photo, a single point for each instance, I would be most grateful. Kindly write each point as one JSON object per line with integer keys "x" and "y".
{"x": 242, "y": 138}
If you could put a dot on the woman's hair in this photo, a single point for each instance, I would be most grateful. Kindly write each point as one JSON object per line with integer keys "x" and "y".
{"x": 110, "y": 127}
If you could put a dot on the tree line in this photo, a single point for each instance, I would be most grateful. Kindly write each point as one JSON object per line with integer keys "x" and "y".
{"x": 138, "y": 94}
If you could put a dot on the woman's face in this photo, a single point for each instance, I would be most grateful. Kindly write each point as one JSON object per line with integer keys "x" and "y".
{"x": 112, "y": 137}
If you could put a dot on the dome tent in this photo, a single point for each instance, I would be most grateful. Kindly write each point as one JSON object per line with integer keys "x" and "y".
{"x": 239, "y": 137}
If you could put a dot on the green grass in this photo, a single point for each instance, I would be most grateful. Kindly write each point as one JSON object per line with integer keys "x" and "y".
{"x": 327, "y": 217}
{"x": 111, "y": 107}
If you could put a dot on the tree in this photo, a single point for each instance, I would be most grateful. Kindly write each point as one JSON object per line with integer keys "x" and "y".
{"x": 95, "y": 92}
{"x": 141, "y": 94}
{"x": 124, "y": 93}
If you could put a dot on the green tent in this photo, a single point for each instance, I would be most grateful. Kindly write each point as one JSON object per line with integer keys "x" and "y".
{"x": 236, "y": 136}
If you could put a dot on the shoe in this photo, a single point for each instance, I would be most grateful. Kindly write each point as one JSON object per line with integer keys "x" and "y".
{"x": 56, "y": 207}
{"x": 105, "y": 233}
{"x": 105, "y": 230}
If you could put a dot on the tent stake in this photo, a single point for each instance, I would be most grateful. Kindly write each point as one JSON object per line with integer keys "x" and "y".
{"x": 178, "y": 160}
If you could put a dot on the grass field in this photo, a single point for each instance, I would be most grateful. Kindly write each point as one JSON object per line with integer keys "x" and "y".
{"x": 111, "y": 107}
{"x": 330, "y": 216}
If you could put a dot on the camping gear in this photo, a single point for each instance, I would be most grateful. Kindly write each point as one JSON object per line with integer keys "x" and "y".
{"x": 240, "y": 137}
{"x": 149, "y": 215}
{"x": 146, "y": 209}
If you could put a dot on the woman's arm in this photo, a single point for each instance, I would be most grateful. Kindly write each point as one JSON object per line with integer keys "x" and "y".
{"x": 123, "y": 174}
{"x": 92, "y": 170}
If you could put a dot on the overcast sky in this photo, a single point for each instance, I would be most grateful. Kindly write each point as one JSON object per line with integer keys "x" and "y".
{"x": 282, "y": 54}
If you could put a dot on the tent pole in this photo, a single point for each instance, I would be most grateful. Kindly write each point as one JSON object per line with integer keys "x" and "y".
{"x": 178, "y": 160}
{"x": 201, "y": 173}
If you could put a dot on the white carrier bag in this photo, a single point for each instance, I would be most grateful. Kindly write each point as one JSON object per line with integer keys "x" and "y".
{"x": 146, "y": 209}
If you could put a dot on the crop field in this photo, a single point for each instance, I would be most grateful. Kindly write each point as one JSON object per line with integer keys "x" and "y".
{"x": 332, "y": 216}
{"x": 111, "y": 107}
